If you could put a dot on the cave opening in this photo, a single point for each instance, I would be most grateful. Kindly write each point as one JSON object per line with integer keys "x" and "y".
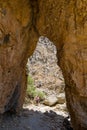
{"x": 43, "y": 69}
{"x": 45, "y": 85}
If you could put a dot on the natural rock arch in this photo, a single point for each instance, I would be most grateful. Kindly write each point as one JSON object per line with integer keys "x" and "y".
{"x": 64, "y": 22}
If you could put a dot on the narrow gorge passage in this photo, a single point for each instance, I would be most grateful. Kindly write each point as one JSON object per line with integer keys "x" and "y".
{"x": 65, "y": 23}
{"x": 47, "y": 78}
{"x": 43, "y": 69}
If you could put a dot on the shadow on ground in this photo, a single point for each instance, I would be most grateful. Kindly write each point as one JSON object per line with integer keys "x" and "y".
{"x": 34, "y": 120}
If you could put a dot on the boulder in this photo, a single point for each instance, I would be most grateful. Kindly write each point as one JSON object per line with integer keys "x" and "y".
{"x": 61, "y": 98}
{"x": 51, "y": 100}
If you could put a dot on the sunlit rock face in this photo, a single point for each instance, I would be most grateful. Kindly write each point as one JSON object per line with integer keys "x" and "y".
{"x": 64, "y": 22}
{"x": 15, "y": 47}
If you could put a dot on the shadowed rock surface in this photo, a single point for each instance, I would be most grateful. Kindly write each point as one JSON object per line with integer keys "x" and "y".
{"x": 35, "y": 120}
{"x": 64, "y": 22}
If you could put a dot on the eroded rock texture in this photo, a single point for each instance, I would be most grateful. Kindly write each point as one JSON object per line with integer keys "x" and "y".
{"x": 64, "y": 22}
{"x": 16, "y": 29}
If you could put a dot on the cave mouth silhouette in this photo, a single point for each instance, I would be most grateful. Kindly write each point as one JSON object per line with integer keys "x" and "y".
{"x": 43, "y": 67}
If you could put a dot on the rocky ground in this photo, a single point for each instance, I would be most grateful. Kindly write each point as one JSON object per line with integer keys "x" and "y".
{"x": 52, "y": 113}
{"x": 36, "y": 118}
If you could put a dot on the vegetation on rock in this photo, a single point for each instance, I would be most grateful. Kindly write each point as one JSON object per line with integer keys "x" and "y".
{"x": 32, "y": 91}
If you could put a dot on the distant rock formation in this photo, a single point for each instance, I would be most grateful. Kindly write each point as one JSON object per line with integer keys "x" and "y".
{"x": 43, "y": 68}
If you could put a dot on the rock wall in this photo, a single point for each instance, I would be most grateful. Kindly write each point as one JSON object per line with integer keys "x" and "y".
{"x": 64, "y": 22}
{"x": 16, "y": 29}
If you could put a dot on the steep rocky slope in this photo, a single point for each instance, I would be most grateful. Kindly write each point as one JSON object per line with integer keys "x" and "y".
{"x": 43, "y": 68}
{"x": 47, "y": 75}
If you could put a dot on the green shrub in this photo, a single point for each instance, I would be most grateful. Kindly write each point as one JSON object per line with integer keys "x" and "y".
{"x": 40, "y": 94}
{"x": 30, "y": 87}
{"x": 32, "y": 91}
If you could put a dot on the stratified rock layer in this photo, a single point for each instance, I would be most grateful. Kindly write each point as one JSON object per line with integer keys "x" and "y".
{"x": 64, "y": 22}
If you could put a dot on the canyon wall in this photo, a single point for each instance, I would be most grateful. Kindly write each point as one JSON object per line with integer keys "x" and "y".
{"x": 64, "y": 22}
{"x": 16, "y": 29}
